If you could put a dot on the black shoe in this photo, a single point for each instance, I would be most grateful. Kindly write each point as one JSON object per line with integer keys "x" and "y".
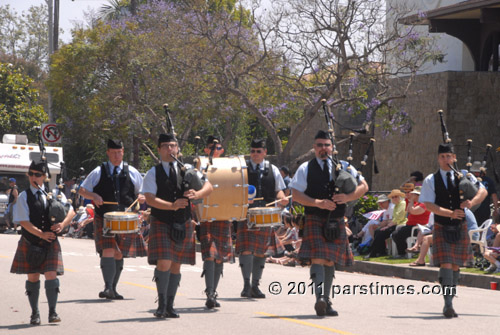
{"x": 215, "y": 298}
{"x": 53, "y": 317}
{"x": 210, "y": 303}
{"x": 256, "y": 293}
{"x": 161, "y": 312}
{"x": 320, "y": 306}
{"x": 171, "y": 313}
{"x": 107, "y": 293}
{"x": 35, "y": 319}
{"x": 247, "y": 290}
{"x": 329, "y": 310}
{"x": 118, "y": 296}
{"x": 449, "y": 312}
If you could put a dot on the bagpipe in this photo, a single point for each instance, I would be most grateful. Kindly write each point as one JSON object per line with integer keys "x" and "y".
{"x": 467, "y": 188}
{"x": 57, "y": 210}
{"x": 191, "y": 178}
{"x": 343, "y": 181}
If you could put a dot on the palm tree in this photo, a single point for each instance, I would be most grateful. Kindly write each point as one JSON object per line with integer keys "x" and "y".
{"x": 117, "y": 8}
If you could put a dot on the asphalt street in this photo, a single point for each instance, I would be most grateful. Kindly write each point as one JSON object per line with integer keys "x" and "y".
{"x": 366, "y": 304}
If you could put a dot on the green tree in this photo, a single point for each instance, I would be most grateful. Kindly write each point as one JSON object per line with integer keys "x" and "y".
{"x": 25, "y": 35}
{"x": 19, "y": 110}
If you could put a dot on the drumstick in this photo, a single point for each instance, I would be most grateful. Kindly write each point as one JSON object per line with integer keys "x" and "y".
{"x": 272, "y": 203}
{"x": 110, "y": 203}
{"x": 128, "y": 209}
{"x": 255, "y": 199}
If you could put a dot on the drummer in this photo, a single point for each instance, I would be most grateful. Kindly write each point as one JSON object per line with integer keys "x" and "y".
{"x": 171, "y": 236}
{"x": 114, "y": 186}
{"x": 252, "y": 245}
{"x": 216, "y": 241}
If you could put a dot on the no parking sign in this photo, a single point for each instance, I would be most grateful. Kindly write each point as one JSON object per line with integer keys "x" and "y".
{"x": 50, "y": 133}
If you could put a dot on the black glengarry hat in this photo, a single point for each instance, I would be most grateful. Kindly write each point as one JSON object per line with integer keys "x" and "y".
{"x": 38, "y": 166}
{"x": 445, "y": 148}
{"x": 115, "y": 144}
{"x": 321, "y": 134}
{"x": 166, "y": 138}
{"x": 258, "y": 143}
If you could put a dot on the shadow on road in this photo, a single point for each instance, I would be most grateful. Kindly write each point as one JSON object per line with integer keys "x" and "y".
{"x": 436, "y": 316}
{"x": 148, "y": 319}
{"x": 87, "y": 301}
{"x": 25, "y": 326}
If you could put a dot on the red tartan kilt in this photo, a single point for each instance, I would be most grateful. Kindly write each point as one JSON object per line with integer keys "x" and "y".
{"x": 130, "y": 245}
{"x": 314, "y": 244}
{"x": 216, "y": 241}
{"x": 259, "y": 242}
{"x": 52, "y": 263}
{"x": 161, "y": 246}
{"x": 459, "y": 253}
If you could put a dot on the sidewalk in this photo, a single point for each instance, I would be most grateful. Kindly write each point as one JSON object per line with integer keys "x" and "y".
{"x": 427, "y": 273}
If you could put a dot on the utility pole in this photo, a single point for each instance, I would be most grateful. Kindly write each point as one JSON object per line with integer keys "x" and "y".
{"x": 56, "y": 26}
{"x": 53, "y": 7}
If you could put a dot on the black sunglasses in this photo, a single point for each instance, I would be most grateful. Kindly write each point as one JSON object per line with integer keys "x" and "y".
{"x": 36, "y": 174}
{"x": 253, "y": 151}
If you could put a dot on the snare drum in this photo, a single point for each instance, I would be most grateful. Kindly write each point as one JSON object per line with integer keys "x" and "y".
{"x": 264, "y": 217}
{"x": 229, "y": 198}
{"x": 120, "y": 223}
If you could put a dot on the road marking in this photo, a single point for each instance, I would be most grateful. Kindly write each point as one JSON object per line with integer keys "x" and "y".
{"x": 2, "y": 256}
{"x": 305, "y": 323}
{"x": 148, "y": 287}
{"x": 70, "y": 270}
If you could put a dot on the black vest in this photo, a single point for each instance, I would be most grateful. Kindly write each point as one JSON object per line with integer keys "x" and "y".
{"x": 169, "y": 192}
{"x": 106, "y": 189}
{"x": 319, "y": 187}
{"x": 38, "y": 217}
{"x": 446, "y": 199}
{"x": 267, "y": 184}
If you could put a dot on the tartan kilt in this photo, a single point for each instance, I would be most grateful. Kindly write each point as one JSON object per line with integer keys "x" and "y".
{"x": 129, "y": 245}
{"x": 261, "y": 241}
{"x": 314, "y": 244}
{"x": 53, "y": 262}
{"x": 459, "y": 253}
{"x": 161, "y": 246}
{"x": 216, "y": 240}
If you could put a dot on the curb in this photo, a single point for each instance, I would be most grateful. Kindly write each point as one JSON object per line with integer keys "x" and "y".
{"x": 426, "y": 273}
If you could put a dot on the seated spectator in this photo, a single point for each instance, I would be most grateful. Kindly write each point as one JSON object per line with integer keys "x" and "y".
{"x": 382, "y": 233}
{"x": 366, "y": 233}
{"x": 84, "y": 229}
{"x": 424, "y": 248}
{"x": 291, "y": 241}
{"x": 493, "y": 254}
{"x": 423, "y": 230}
{"x": 74, "y": 223}
{"x": 417, "y": 214}
{"x": 425, "y": 234}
